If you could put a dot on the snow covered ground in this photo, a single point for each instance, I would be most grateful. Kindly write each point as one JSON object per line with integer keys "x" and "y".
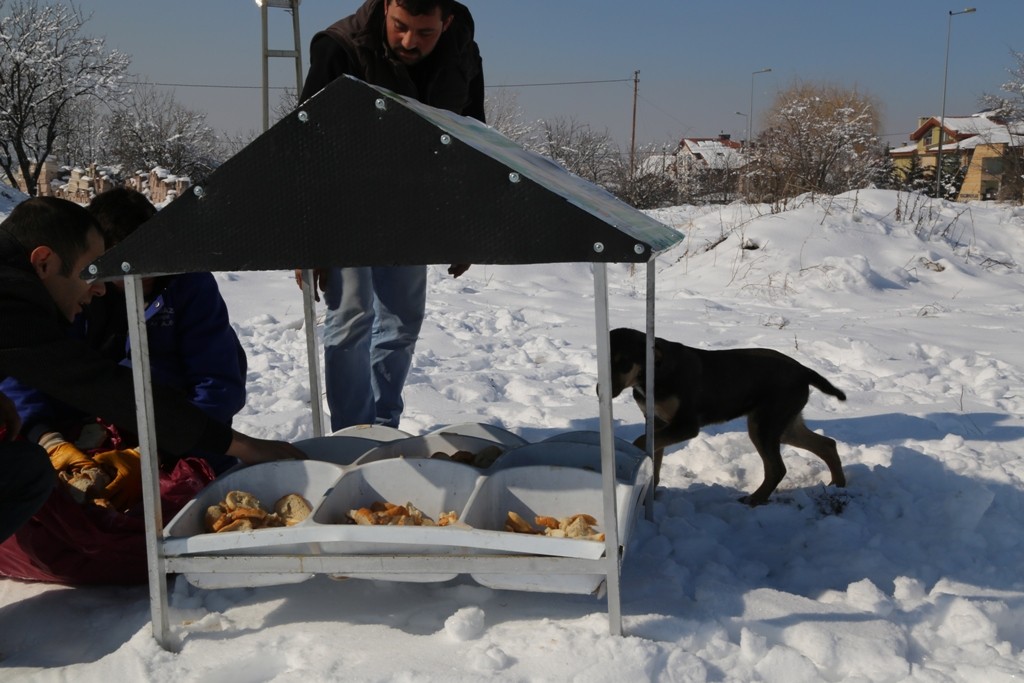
{"x": 911, "y": 573}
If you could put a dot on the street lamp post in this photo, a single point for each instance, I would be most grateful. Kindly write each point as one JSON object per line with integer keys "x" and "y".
{"x": 942, "y": 118}
{"x": 739, "y": 113}
{"x": 750, "y": 117}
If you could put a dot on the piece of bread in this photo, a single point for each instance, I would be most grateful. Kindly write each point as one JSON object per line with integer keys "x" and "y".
{"x": 361, "y": 516}
{"x": 241, "y": 499}
{"x": 516, "y": 524}
{"x": 292, "y": 508}
{"x": 86, "y": 484}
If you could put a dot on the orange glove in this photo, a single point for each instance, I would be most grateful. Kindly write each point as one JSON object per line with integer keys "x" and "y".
{"x": 64, "y": 456}
{"x": 126, "y": 489}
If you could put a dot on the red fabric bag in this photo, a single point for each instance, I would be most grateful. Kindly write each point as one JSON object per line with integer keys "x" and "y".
{"x": 74, "y": 543}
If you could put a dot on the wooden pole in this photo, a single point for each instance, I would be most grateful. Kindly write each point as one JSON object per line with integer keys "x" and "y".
{"x": 632, "y": 141}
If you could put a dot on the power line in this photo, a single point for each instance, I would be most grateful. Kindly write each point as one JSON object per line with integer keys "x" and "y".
{"x": 533, "y": 85}
{"x": 205, "y": 85}
{"x": 257, "y": 87}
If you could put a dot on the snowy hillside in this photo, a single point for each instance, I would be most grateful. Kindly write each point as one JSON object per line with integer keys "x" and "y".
{"x": 914, "y": 308}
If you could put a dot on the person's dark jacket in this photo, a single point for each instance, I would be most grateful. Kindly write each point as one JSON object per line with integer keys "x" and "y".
{"x": 37, "y": 349}
{"x": 192, "y": 347}
{"x": 451, "y": 77}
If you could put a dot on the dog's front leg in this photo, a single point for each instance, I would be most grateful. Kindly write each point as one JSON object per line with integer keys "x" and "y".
{"x": 671, "y": 433}
{"x": 641, "y": 443}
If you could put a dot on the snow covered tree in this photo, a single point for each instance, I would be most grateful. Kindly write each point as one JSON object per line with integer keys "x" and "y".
{"x": 45, "y": 67}
{"x": 590, "y": 154}
{"x": 150, "y": 129}
{"x": 819, "y": 138}
{"x": 1010, "y": 107}
{"x": 914, "y": 178}
{"x": 80, "y": 140}
{"x": 651, "y": 183}
{"x": 503, "y": 114}
{"x": 286, "y": 104}
{"x": 953, "y": 174}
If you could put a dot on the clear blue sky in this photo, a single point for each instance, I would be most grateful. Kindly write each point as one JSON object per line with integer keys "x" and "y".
{"x": 695, "y": 57}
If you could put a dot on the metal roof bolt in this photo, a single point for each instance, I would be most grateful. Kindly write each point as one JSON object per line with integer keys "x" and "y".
{"x": 513, "y": 177}
{"x": 126, "y": 267}
{"x": 93, "y": 269}
{"x": 198, "y": 191}
{"x": 598, "y": 247}
{"x": 446, "y": 139}
{"x": 638, "y": 248}
{"x": 303, "y": 116}
{"x": 381, "y": 103}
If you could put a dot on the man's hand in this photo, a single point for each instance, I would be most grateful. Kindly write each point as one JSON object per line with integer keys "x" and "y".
{"x": 457, "y": 269}
{"x": 9, "y": 417}
{"x": 319, "y": 281}
{"x": 63, "y": 455}
{"x": 126, "y": 488}
{"x": 252, "y": 451}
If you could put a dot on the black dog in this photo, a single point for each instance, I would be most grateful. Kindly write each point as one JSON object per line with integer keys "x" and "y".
{"x": 694, "y": 388}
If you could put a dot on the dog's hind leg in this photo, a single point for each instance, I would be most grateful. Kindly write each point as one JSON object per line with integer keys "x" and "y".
{"x": 766, "y": 438}
{"x": 797, "y": 434}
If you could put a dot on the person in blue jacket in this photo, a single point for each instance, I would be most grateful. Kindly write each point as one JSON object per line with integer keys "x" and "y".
{"x": 192, "y": 345}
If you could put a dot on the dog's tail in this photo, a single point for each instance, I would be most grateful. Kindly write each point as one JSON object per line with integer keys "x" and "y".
{"x": 823, "y": 385}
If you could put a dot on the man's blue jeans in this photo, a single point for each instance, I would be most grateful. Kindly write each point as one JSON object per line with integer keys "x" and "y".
{"x": 374, "y": 316}
{"x": 25, "y": 485}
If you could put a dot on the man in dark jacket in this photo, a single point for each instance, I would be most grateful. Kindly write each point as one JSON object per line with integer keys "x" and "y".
{"x": 422, "y": 49}
{"x": 192, "y": 345}
{"x": 45, "y": 243}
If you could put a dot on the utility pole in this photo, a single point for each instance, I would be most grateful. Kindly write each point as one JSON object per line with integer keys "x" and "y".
{"x": 295, "y": 53}
{"x": 632, "y": 141}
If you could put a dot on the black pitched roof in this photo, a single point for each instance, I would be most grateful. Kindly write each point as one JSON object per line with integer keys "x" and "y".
{"x": 361, "y": 176}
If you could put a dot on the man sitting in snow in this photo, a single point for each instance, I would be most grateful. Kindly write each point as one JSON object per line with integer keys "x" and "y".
{"x": 45, "y": 244}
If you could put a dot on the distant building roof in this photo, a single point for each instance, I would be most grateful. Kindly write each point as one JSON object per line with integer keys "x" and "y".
{"x": 906, "y": 149}
{"x": 986, "y": 124}
{"x": 719, "y": 152}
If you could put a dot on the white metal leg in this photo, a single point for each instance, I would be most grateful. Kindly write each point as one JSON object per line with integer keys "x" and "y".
{"x": 649, "y": 387}
{"x": 316, "y": 400}
{"x": 139, "y": 341}
{"x": 604, "y": 382}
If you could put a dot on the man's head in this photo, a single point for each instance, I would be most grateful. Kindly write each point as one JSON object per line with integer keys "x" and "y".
{"x": 61, "y": 239}
{"x": 413, "y": 27}
{"x": 119, "y": 211}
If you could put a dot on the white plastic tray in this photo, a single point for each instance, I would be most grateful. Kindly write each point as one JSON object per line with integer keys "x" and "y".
{"x": 434, "y": 486}
{"x": 554, "y": 491}
{"x": 427, "y": 446}
{"x": 375, "y": 432}
{"x": 564, "y": 485}
{"x": 484, "y": 431}
{"x": 186, "y": 534}
{"x": 340, "y": 450}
